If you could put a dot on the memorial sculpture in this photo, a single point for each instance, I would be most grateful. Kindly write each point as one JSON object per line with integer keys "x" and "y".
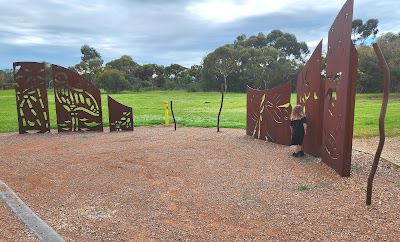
{"x": 329, "y": 104}
{"x": 268, "y": 114}
{"x": 310, "y": 89}
{"x": 340, "y": 93}
{"x": 31, "y": 96}
{"x": 120, "y": 116}
{"x": 78, "y": 102}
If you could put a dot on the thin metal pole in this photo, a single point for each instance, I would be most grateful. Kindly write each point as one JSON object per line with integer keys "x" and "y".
{"x": 385, "y": 100}
{"x": 222, "y": 102}
{"x": 172, "y": 111}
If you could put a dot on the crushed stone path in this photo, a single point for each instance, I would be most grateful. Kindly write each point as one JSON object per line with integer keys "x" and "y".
{"x": 42, "y": 231}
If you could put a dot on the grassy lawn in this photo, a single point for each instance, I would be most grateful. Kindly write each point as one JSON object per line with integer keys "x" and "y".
{"x": 200, "y": 109}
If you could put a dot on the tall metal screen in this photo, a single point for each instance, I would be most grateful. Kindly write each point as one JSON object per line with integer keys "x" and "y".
{"x": 78, "y": 102}
{"x": 31, "y": 96}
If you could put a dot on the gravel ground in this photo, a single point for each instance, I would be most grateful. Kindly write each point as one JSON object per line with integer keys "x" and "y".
{"x": 192, "y": 184}
{"x": 11, "y": 228}
{"x": 390, "y": 152}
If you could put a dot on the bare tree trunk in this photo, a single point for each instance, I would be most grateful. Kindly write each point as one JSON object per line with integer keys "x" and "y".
{"x": 225, "y": 84}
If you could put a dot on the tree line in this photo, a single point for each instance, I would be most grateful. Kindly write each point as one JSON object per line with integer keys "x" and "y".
{"x": 260, "y": 61}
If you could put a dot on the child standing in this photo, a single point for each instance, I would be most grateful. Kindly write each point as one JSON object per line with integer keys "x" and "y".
{"x": 298, "y": 128}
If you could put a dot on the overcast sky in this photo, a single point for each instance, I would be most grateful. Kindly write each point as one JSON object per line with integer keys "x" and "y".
{"x": 164, "y": 31}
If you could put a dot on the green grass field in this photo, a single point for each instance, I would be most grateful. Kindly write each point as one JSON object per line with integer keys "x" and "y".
{"x": 200, "y": 109}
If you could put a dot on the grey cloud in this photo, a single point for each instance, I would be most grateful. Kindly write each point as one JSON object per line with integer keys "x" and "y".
{"x": 161, "y": 32}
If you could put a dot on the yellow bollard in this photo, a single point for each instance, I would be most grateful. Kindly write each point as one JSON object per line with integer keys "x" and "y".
{"x": 166, "y": 113}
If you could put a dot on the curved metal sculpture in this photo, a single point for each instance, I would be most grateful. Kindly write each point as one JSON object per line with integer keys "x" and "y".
{"x": 340, "y": 89}
{"x": 268, "y": 114}
{"x": 120, "y": 116}
{"x": 78, "y": 102}
{"x": 310, "y": 96}
{"x": 385, "y": 100}
{"x": 31, "y": 96}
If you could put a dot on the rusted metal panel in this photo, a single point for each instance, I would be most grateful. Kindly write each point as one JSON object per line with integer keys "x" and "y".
{"x": 78, "y": 102}
{"x": 31, "y": 96}
{"x": 278, "y": 111}
{"x": 255, "y": 125}
{"x": 120, "y": 116}
{"x": 310, "y": 96}
{"x": 341, "y": 74}
{"x": 268, "y": 114}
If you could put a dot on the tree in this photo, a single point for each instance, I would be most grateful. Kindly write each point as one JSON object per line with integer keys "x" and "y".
{"x": 127, "y": 65}
{"x": 195, "y": 72}
{"x": 369, "y": 73}
{"x": 361, "y": 32}
{"x": 2, "y": 80}
{"x": 113, "y": 81}
{"x": 390, "y": 46}
{"x": 49, "y": 78}
{"x": 221, "y": 63}
{"x": 355, "y": 28}
{"x": 258, "y": 66}
{"x": 176, "y": 74}
{"x": 240, "y": 41}
{"x": 259, "y": 61}
{"x": 90, "y": 65}
{"x": 288, "y": 44}
{"x": 285, "y": 42}
{"x": 258, "y": 41}
{"x": 8, "y": 78}
{"x": 151, "y": 76}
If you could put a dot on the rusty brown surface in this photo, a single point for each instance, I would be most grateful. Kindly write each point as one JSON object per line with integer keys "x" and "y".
{"x": 385, "y": 101}
{"x": 120, "y": 116}
{"x": 78, "y": 102}
{"x": 268, "y": 114}
{"x": 31, "y": 96}
{"x": 255, "y": 114}
{"x": 341, "y": 74}
{"x": 310, "y": 96}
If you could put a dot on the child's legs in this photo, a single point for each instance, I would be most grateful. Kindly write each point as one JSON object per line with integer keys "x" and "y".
{"x": 300, "y": 145}
{"x": 296, "y": 142}
{"x": 296, "y": 148}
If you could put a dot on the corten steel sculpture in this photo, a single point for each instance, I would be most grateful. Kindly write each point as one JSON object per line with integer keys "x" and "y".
{"x": 78, "y": 102}
{"x": 385, "y": 100}
{"x": 340, "y": 90}
{"x": 31, "y": 95}
{"x": 310, "y": 96}
{"x": 268, "y": 114}
{"x": 255, "y": 124}
{"x": 120, "y": 116}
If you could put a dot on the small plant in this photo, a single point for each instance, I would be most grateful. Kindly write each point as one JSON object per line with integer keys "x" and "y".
{"x": 303, "y": 188}
{"x": 96, "y": 212}
{"x": 356, "y": 169}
